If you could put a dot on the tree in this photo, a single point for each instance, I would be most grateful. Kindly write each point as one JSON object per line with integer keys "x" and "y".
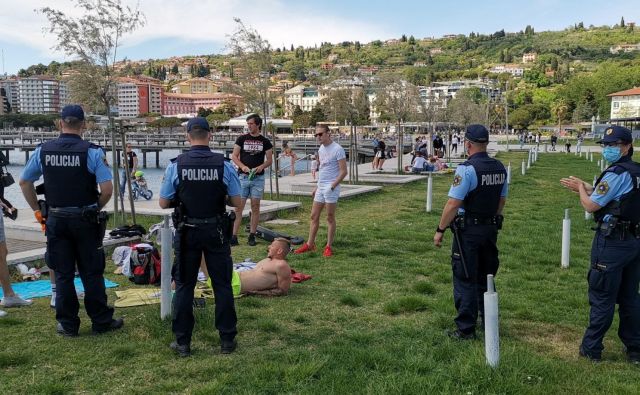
{"x": 94, "y": 38}
{"x": 397, "y": 100}
{"x": 467, "y": 107}
{"x": 622, "y": 22}
{"x": 412, "y": 40}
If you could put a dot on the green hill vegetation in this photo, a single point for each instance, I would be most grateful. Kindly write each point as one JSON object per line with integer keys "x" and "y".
{"x": 574, "y": 71}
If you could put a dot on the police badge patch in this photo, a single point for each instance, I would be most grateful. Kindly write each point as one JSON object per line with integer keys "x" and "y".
{"x": 602, "y": 188}
{"x": 457, "y": 180}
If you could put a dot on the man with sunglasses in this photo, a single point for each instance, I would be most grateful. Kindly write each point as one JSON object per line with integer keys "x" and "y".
{"x": 333, "y": 169}
{"x": 615, "y": 253}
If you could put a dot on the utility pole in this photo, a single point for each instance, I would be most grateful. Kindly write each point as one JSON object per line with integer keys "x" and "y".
{"x": 506, "y": 109}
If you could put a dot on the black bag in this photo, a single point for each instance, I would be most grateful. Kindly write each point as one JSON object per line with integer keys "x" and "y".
{"x": 6, "y": 179}
{"x": 145, "y": 266}
{"x": 128, "y": 231}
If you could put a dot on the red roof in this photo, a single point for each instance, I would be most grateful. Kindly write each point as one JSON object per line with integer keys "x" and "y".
{"x": 628, "y": 92}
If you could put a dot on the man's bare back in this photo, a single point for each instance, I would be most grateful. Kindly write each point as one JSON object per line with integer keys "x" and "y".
{"x": 271, "y": 276}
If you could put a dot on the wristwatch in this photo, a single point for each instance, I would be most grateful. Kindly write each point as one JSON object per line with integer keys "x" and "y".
{"x": 438, "y": 230}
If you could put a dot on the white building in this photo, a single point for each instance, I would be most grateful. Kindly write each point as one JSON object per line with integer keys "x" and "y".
{"x": 305, "y": 97}
{"x": 439, "y": 94}
{"x": 529, "y": 57}
{"x": 42, "y": 95}
{"x": 514, "y": 70}
{"x": 625, "y": 104}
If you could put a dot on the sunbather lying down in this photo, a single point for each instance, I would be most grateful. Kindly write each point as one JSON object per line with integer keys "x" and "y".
{"x": 271, "y": 276}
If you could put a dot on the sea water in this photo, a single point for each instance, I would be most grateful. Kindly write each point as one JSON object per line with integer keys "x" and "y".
{"x": 153, "y": 175}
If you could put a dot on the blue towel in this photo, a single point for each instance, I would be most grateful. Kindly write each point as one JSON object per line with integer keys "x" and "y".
{"x": 42, "y": 288}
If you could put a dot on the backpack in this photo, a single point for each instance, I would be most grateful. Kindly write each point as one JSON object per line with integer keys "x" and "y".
{"x": 145, "y": 265}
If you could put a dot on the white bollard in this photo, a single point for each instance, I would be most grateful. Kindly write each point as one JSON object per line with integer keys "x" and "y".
{"x": 595, "y": 179}
{"x": 566, "y": 239}
{"x": 599, "y": 162}
{"x": 591, "y": 156}
{"x": 529, "y": 160}
{"x": 603, "y": 165}
{"x": 166, "y": 240}
{"x": 491, "y": 324}
{"x": 509, "y": 173}
{"x": 524, "y": 167}
{"x": 429, "y": 193}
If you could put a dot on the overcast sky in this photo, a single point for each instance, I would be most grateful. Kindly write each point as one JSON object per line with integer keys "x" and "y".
{"x": 195, "y": 27}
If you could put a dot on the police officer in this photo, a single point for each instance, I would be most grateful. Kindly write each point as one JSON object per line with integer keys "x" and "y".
{"x": 474, "y": 213}
{"x": 71, "y": 168}
{"x": 615, "y": 252}
{"x": 199, "y": 182}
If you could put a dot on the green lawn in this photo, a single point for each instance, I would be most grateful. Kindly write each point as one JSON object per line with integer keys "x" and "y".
{"x": 372, "y": 319}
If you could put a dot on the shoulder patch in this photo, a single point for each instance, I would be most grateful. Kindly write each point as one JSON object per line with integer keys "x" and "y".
{"x": 457, "y": 180}
{"x": 602, "y": 188}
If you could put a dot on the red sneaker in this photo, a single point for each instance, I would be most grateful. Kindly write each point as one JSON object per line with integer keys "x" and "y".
{"x": 305, "y": 248}
{"x": 327, "y": 252}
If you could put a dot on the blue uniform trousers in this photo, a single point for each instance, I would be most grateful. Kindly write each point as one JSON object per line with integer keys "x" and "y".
{"x": 74, "y": 241}
{"x": 613, "y": 278}
{"x": 190, "y": 244}
{"x": 481, "y": 257}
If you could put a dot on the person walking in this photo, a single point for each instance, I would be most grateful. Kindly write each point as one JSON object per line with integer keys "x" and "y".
{"x": 252, "y": 154}
{"x": 333, "y": 169}
{"x": 74, "y": 225}
{"x": 615, "y": 252}
{"x": 199, "y": 183}
{"x": 474, "y": 213}
{"x": 132, "y": 158}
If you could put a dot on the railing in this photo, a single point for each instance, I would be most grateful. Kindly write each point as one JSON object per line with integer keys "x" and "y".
{"x": 283, "y": 168}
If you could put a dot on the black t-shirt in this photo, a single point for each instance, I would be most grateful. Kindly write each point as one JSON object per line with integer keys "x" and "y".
{"x": 253, "y": 149}
{"x": 130, "y": 155}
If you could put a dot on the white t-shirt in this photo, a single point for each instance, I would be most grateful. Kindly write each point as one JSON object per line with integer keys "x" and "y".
{"x": 419, "y": 162}
{"x": 329, "y": 157}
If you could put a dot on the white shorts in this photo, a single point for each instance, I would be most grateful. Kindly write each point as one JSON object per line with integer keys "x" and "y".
{"x": 324, "y": 194}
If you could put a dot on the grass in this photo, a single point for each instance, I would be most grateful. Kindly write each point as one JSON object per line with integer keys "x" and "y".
{"x": 370, "y": 321}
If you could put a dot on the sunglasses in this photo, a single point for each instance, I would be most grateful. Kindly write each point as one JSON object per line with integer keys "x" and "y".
{"x": 319, "y": 134}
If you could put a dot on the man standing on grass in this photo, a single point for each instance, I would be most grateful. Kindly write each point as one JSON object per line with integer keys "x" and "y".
{"x": 252, "y": 153}
{"x": 333, "y": 169}
{"x": 474, "y": 213}
{"x": 615, "y": 253}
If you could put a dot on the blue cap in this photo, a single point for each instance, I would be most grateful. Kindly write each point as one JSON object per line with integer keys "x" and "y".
{"x": 477, "y": 133}
{"x": 199, "y": 123}
{"x": 615, "y": 133}
{"x": 72, "y": 110}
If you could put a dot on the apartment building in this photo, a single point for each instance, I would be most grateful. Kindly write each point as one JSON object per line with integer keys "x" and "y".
{"x": 196, "y": 85}
{"x": 188, "y": 103}
{"x": 41, "y": 95}
{"x": 305, "y": 97}
{"x": 136, "y": 96}
{"x": 12, "y": 91}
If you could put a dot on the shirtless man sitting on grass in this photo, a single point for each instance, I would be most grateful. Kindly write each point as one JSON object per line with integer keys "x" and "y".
{"x": 270, "y": 277}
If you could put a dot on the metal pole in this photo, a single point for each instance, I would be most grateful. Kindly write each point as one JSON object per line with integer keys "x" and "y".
{"x": 429, "y": 193}
{"x": 166, "y": 240}
{"x": 566, "y": 239}
{"x": 491, "y": 324}
{"x": 127, "y": 174}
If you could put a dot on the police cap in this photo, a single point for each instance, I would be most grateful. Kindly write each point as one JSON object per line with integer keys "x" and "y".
{"x": 72, "y": 110}
{"x": 477, "y": 133}
{"x": 197, "y": 123}
{"x": 615, "y": 134}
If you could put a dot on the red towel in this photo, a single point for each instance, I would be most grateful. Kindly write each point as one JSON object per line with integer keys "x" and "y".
{"x": 299, "y": 277}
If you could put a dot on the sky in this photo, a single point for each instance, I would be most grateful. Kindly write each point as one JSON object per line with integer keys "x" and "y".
{"x": 201, "y": 27}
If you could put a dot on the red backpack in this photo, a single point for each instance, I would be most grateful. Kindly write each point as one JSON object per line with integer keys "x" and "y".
{"x": 146, "y": 266}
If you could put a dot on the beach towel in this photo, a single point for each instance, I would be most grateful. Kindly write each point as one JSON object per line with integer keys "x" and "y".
{"x": 42, "y": 288}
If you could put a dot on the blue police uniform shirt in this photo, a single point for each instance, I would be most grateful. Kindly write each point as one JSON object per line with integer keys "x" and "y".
{"x": 95, "y": 164}
{"x": 170, "y": 181}
{"x": 465, "y": 180}
{"x": 611, "y": 187}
